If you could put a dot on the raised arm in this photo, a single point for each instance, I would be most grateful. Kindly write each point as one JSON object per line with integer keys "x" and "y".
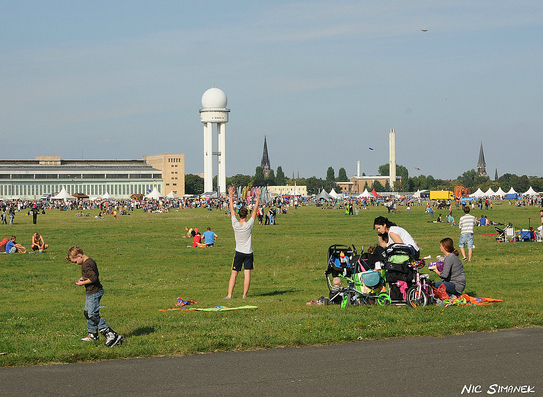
{"x": 231, "y": 204}
{"x": 255, "y": 208}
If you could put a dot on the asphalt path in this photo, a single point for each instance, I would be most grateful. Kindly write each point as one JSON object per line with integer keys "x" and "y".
{"x": 494, "y": 363}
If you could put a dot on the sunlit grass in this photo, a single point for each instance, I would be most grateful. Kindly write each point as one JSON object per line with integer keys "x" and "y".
{"x": 145, "y": 265}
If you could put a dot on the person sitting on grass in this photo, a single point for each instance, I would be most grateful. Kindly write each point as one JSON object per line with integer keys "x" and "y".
{"x": 12, "y": 246}
{"x": 37, "y": 242}
{"x": 452, "y": 275}
{"x": 196, "y": 238}
{"x": 209, "y": 237}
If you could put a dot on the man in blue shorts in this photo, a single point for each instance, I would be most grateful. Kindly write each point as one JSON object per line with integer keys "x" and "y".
{"x": 244, "y": 248}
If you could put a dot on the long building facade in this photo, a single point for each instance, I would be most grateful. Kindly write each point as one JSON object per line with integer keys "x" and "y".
{"x": 32, "y": 179}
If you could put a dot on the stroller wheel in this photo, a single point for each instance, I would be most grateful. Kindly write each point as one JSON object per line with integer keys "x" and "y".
{"x": 326, "y": 301}
{"x": 346, "y": 301}
{"x": 383, "y": 299}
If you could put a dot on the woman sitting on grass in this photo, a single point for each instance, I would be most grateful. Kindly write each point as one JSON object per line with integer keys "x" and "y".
{"x": 452, "y": 274}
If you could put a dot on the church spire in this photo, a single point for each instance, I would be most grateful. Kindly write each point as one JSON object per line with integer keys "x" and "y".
{"x": 481, "y": 164}
{"x": 265, "y": 163}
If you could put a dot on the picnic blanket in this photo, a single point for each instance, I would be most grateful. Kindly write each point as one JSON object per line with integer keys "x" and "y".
{"x": 465, "y": 299}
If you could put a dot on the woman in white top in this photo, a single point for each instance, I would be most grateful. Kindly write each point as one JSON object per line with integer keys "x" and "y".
{"x": 389, "y": 233}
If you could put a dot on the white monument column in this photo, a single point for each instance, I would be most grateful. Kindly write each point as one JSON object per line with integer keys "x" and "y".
{"x": 214, "y": 111}
{"x": 392, "y": 157}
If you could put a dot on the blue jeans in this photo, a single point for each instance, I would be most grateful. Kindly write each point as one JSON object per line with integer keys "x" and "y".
{"x": 450, "y": 287}
{"x": 466, "y": 239}
{"x": 92, "y": 313}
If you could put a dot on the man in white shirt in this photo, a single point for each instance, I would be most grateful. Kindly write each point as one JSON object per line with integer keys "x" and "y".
{"x": 244, "y": 248}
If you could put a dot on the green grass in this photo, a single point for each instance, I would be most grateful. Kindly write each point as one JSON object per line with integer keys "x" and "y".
{"x": 145, "y": 265}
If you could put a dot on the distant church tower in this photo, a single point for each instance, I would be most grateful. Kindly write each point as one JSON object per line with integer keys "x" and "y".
{"x": 265, "y": 163}
{"x": 481, "y": 164}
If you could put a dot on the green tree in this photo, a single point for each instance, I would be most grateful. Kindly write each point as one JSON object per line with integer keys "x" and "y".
{"x": 387, "y": 187}
{"x": 280, "y": 177}
{"x": 239, "y": 180}
{"x": 378, "y": 187}
{"x": 522, "y": 184}
{"x": 401, "y": 171}
{"x": 258, "y": 179}
{"x": 314, "y": 185}
{"x": 194, "y": 184}
{"x": 330, "y": 178}
{"x": 270, "y": 180}
{"x": 342, "y": 175}
{"x": 472, "y": 180}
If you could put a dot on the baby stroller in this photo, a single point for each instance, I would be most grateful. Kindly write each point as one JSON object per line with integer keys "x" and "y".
{"x": 364, "y": 285}
{"x": 399, "y": 272}
{"x": 505, "y": 234}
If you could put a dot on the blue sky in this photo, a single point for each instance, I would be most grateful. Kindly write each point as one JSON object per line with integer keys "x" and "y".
{"x": 324, "y": 81}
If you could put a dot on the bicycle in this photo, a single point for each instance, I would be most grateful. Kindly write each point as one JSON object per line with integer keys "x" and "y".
{"x": 420, "y": 293}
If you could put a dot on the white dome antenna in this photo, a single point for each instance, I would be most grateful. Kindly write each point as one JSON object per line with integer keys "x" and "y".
{"x": 214, "y": 111}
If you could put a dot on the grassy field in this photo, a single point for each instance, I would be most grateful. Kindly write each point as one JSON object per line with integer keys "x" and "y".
{"x": 145, "y": 265}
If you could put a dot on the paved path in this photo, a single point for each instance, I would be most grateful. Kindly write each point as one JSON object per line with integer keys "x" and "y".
{"x": 470, "y": 364}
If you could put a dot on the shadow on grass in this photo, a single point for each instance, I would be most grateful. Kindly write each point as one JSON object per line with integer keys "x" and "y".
{"x": 277, "y": 292}
{"x": 140, "y": 331}
{"x": 471, "y": 293}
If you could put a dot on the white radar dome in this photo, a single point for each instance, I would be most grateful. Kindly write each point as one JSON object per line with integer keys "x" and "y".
{"x": 214, "y": 98}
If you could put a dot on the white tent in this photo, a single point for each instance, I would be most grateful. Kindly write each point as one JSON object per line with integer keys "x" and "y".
{"x": 333, "y": 194}
{"x": 63, "y": 195}
{"x": 107, "y": 196}
{"x": 530, "y": 192}
{"x": 418, "y": 193}
{"x": 499, "y": 192}
{"x": 365, "y": 194}
{"x": 172, "y": 195}
{"x": 490, "y": 192}
{"x": 479, "y": 193}
{"x": 323, "y": 195}
{"x": 154, "y": 195}
{"x": 511, "y": 191}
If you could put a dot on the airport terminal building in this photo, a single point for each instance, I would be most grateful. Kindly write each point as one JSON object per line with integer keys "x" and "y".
{"x": 31, "y": 179}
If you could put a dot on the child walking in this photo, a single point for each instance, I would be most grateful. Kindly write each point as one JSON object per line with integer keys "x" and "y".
{"x": 90, "y": 279}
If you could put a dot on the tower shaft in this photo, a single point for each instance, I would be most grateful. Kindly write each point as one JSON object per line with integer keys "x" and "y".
{"x": 392, "y": 157}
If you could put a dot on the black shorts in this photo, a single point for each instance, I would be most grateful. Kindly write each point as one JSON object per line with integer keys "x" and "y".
{"x": 243, "y": 259}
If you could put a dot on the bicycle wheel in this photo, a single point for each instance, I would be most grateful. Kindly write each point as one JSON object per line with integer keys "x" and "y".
{"x": 382, "y": 299}
{"x": 416, "y": 298}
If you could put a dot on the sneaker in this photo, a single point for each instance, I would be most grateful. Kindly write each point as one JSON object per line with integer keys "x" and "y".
{"x": 90, "y": 337}
{"x": 227, "y": 297}
{"x": 113, "y": 339}
{"x": 464, "y": 259}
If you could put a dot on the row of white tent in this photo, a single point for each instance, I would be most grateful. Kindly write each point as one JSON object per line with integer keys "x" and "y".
{"x": 154, "y": 195}
{"x": 333, "y": 195}
{"x": 489, "y": 193}
{"x": 478, "y": 194}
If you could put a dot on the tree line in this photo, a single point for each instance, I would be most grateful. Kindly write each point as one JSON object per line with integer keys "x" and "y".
{"x": 194, "y": 184}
